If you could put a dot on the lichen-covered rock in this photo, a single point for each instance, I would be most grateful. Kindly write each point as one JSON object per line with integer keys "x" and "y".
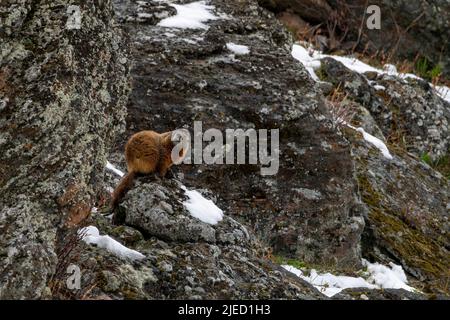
{"x": 335, "y": 198}
{"x": 407, "y": 221}
{"x": 308, "y": 210}
{"x": 63, "y": 86}
{"x": 185, "y": 258}
{"x": 408, "y": 111}
{"x": 408, "y": 218}
{"x": 158, "y": 212}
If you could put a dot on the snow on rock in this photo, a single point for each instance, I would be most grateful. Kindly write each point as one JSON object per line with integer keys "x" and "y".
{"x": 190, "y": 16}
{"x": 311, "y": 60}
{"x": 91, "y": 235}
{"x": 385, "y": 277}
{"x": 74, "y": 18}
{"x": 378, "y": 277}
{"x": 328, "y": 283}
{"x": 379, "y": 87}
{"x": 390, "y": 69}
{"x": 355, "y": 64}
{"x": 443, "y": 92}
{"x": 376, "y": 142}
{"x": 237, "y": 48}
{"x": 110, "y": 166}
{"x": 201, "y": 208}
{"x": 380, "y": 145}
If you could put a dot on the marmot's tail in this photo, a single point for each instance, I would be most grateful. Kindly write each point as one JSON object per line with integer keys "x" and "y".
{"x": 124, "y": 185}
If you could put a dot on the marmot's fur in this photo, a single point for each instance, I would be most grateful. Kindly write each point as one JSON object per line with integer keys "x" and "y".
{"x": 147, "y": 152}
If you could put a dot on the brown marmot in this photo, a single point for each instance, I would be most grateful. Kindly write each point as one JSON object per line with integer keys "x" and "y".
{"x": 147, "y": 152}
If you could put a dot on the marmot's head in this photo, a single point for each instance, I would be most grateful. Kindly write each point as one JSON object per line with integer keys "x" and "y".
{"x": 179, "y": 143}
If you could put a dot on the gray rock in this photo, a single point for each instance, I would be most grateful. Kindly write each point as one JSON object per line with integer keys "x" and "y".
{"x": 64, "y": 93}
{"x": 408, "y": 111}
{"x": 265, "y": 89}
{"x": 193, "y": 268}
{"x": 409, "y": 29}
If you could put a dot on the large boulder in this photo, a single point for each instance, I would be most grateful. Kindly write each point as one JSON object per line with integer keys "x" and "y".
{"x": 407, "y": 221}
{"x": 185, "y": 258}
{"x": 63, "y": 87}
{"x": 409, "y": 112}
{"x": 408, "y": 201}
{"x": 309, "y": 210}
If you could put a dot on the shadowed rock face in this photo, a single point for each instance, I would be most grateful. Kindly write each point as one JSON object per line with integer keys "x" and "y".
{"x": 62, "y": 95}
{"x": 408, "y": 28}
{"x": 309, "y": 209}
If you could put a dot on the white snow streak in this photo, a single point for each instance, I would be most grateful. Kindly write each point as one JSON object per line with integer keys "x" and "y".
{"x": 190, "y": 16}
{"x": 91, "y": 235}
{"x": 378, "y": 277}
{"x": 201, "y": 208}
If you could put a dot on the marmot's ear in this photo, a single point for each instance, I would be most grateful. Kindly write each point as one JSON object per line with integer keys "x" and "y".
{"x": 166, "y": 138}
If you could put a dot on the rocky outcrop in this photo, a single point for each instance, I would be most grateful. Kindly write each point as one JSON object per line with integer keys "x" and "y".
{"x": 309, "y": 210}
{"x": 63, "y": 86}
{"x": 154, "y": 210}
{"x": 407, "y": 220}
{"x": 407, "y": 200}
{"x": 408, "y": 111}
{"x": 185, "y": 258}
{"x": 405, "y": 27}
{"x": 334, "y": 200}
{"x": 315, "y": 208}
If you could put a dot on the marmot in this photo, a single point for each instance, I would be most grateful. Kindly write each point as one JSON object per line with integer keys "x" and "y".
{"x": 147, "y": 152}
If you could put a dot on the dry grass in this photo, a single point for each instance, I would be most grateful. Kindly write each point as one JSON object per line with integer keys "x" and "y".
{"x": 341, "y": 113}
{"x": 69, "y": 252}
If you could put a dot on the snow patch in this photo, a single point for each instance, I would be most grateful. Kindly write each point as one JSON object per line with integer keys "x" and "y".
{"x": 443, "y": 92}
{"x": 237, "y": 48}
{"x": 74, "y": 20}
{"x": 329, "y": 284}
{"x": 378, "y": 277}
{"x": 385, "y": 277}
{"x": 380, "y": 145}
{"x": 110, "y": 166}
{"x": 201, "y": 208}
{"x": 91, "y": 235}
{"x": 390, "y": 69}
{"x": 190, "y": 16}
{"x": 376, "y": 142}
{"x": 311, "y": 60}
{"x": 379, "y": 87}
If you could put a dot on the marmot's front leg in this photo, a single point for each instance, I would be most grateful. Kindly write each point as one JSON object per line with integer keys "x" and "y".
{"x": 162, "y": 169}
{"x": 169, "y": 173}
{"x": 165, "y": 171}
{"x": 162, "y": 172}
